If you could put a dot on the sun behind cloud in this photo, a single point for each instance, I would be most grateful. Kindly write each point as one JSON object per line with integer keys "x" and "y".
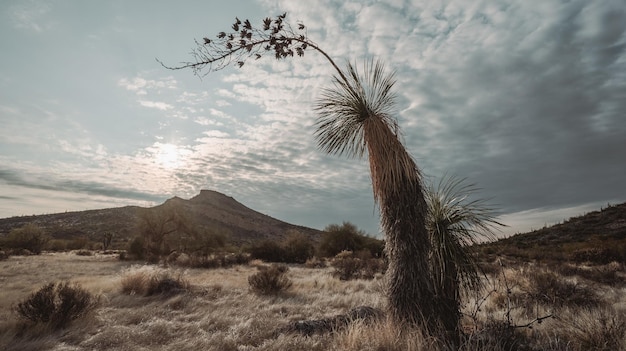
{"x": 168, "y": 156}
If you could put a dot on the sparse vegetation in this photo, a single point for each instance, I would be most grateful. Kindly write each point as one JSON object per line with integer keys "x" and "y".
{"x": 150, "y": 281}
{"x": 218, "y": 310}
{"x": 347, "y": 237}
{"x": 270, "y": 280}
{"x": 56, "y": 304}
{"x": 296, "y": 248}
{"x": 360, "y": 265}
{"x": 27, "y": 239}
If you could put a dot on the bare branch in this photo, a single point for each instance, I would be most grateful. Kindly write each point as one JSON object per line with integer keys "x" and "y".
{"x": 275, "y": 37}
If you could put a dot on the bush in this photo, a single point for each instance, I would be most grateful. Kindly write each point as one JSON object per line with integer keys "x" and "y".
{"x": 218, "y": 260}
{"x": 347, "y": 237}
{"x": 298, "y": 248}
{"x": 551, "y": 289}
{"x": 57, "y": 304}
{"x": 270, "y": 280}
{"x": 136, "y": 249}
{"x": 268, "y": 251}
{"x": 29, "y": 237}
{"x": 361, "y": 265}
{"x": 149, "y": 281}
{"x": 593, "y": 329}
{"x": 84, "y": 253}
{"x": 596, "y": 255}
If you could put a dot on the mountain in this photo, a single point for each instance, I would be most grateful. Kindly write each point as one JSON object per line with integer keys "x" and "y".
{"x": 602, "y": 231}
{"x": 209, "y": 209}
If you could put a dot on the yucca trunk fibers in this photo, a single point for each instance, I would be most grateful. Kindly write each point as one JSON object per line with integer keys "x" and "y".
{"x": 398, "y": 191}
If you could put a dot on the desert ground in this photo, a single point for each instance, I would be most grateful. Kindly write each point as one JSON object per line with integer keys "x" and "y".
{"x": 522, "y": 307}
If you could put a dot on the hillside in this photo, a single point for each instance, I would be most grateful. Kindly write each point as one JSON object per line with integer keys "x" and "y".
{"x": 600, "y": 233}
{"x": 209, "y": 209}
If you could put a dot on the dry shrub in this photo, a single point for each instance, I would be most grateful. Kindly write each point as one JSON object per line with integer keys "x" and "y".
{"x": 218, "y": 260}
{"x": 384, "y": 335}
{"x": 57, "y": 304}
{"x": 495, "y": 335}
{"x": 600, "y": 329}
{"x": 270, "y": 280}
{"x": 595, "y": 255}
{"x": 609, "y": 274}
{"x": 3, "y": 255}
{"x": 361, "y": 265}
{"x": 84, "y": 253}
{"x": 149, "y": 281}
{"x": 551, "y": 289}
{"x": 315, "y": 262}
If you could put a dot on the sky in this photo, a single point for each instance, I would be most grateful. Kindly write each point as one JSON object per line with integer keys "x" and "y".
{"x": 524, "y": 99}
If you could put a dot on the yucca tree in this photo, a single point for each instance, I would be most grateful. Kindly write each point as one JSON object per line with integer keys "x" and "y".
{"x": 455, "y": 221}
{"x": 355, "y": 118}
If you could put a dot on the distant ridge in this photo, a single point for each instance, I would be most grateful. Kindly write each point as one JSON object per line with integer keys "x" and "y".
{"x": 597, "y": 230}
{"x": 609, "y": 222}
{"x": 209, "y": 209}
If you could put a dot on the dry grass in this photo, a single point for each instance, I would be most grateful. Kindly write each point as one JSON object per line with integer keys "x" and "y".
{"x": 217, "y": 311}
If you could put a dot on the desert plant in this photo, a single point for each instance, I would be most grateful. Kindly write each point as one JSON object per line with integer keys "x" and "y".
{"x": 107, "y": 239}
{"x": 57, "y": 304}
{"x": 84, "y": 253}
{"x": 268, "y": 250}
{"x": 29, "y": 237}
{"x": 455, "y": 222}
{"x": 599, "y": 329}
{"x": 216, "y": 260}
{"x": 298, "y": 248}
{"x": 157, "y": 224}
{"x": 347, "y": 237}
{"x": 270, "y": 280}
{"x": 355, "y": 116}
{"x": 551, "y": 289}
{"x": 348, "y": 265}
{"x": 149, "y": 281}
{"x": 136, "y": 249}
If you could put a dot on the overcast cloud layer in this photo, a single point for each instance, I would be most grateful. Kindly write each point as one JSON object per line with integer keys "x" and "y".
{"x": 527, "y": 99}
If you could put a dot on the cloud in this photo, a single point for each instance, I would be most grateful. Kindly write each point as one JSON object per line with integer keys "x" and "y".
{"x": 524, "y": 99}
{"x": 141, "y": 85}
{"x": 44, "y": 182}
{"x": 156, "y": 104}
{"x": 30, "y": 15}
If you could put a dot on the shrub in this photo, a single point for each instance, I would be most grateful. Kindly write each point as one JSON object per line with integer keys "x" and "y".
{"x": 149, "y": 281}
{"x": 57, "y": 304}
{"x": 269, "y": 251}
{"x": 361, "y": 265}
{"x": 347, "y": 237}
{"x": 78, "y": 243}
{"x": 595, "y": 255}
{"x": 551, "y": 289}
{"x": 3, "y": 255}
{"x": 270, "y": 280}
{"x": 600, "y": 329}
{"x": 136, "y": 249}
{"x": 218, "y": 260}
{"x": 315, "y": 262}
{"x": 84, "y": 253}
{"x": 298, "y": 248}
{"x": 29, "y": 237}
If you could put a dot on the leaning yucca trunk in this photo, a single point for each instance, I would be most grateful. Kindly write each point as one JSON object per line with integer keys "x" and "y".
{"x": 398, "y": 191}
{"x": 447, "y": 287}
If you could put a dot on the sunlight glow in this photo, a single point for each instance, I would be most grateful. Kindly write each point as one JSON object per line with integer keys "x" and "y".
{"x": 167, "y": 155}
